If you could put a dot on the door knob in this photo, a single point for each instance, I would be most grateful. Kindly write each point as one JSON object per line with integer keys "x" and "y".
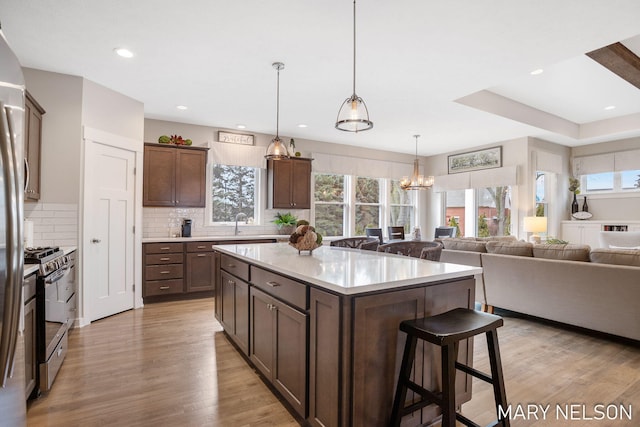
{"x": 95, "y": 240}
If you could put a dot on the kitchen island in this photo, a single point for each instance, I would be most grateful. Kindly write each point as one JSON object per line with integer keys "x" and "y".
{"x": 322, "y": 328}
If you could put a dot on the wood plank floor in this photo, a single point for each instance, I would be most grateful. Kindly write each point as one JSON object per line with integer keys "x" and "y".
{"x": 169, "y": 364}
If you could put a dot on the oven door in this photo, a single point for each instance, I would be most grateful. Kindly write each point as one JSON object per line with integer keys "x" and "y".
{"x": 58, "y": 289}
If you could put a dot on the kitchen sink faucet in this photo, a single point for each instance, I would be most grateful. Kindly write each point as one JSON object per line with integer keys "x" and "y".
{"x": 240, "y": 216}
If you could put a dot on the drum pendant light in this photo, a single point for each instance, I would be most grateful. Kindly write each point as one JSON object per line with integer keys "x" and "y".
{"x": 354, "y": 115}
{"x": 277, "y": 149}
{"x": 417, "y": 182}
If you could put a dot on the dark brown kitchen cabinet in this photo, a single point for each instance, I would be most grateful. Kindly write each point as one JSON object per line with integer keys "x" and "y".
{"x": 234, "y": 316}
{"x": 32, "y": 147}
{"x": 174, "y": 176}
{"x": 163, "y": 269}
{"x": 200, "y": 267}
{"x": 289, "y": 183}
{"x": 278, "y": 346}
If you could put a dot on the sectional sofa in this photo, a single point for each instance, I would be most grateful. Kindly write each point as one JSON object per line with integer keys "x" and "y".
{"x": 596, "y": 289}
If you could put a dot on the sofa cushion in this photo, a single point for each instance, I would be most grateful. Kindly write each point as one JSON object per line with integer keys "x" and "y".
{"x": 567, "y": 252}
{"x": 616, "y": 256}
{"x": 497, "y": 239}
{"x": 510, "y": 248}
{"x": 464, "y": 245}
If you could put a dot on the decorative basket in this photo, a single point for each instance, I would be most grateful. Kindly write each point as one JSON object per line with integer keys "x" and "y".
{"x": 306, "y": 242}
{"x": 305, "y": 247}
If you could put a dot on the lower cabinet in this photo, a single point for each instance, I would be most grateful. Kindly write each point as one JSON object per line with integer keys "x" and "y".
{"x": 278, "y": 347}
{"x": 199, "y": 268}
{"x": 234, "y": 313}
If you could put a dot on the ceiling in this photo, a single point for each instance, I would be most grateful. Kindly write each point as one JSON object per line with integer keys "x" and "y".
{"x": 458, "y": 73}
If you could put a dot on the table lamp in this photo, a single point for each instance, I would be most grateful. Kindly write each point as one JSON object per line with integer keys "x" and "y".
{"x": 535, "y": 225}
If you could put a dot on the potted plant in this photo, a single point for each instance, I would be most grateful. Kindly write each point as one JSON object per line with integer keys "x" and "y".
{"x": 286, "y": 222}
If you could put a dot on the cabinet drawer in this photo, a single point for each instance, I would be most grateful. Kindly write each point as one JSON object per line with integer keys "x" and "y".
{"x": 163, "y": 272}
{"x": 163, "y": 259}
{"x": 288, "y": 290}
{"x": 162, "y": 287}
{"x": 235, "y": 266}
{"x": 162, "y": 248}
{"x": 199, "y": 247}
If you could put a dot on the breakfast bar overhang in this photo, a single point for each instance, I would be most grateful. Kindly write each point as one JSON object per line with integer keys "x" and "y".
{"x": 322, "y": 327}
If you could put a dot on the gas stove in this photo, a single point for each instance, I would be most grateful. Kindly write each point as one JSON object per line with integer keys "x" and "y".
{"x": 50, "y": 258}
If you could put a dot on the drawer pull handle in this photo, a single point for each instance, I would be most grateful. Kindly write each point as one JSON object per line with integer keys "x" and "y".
{"x": 202, "y": 247}
{"x": 164, "y": 288}
{"x": 165, "y": 272}
{"x": 166, "y": 248}
{"x": 60, "y": 351}
{"x": 231, "y": 266}
{"x": 202, "y": 254}
{"x": 231, "y": 282}
{"x": 165, "y": 259}
{"x": 273, "y": 284}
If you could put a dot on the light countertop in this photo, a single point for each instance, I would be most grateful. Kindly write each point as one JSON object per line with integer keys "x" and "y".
{"x": 30, "y": 269}
{"x": 347, "y": 271}
{"x": 213, "y": 238}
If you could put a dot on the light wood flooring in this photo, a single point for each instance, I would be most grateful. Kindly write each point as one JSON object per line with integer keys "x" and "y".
{"x": 169, "y": 364}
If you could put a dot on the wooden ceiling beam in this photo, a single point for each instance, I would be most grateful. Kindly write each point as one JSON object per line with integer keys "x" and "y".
{"x": 618, "y": 59}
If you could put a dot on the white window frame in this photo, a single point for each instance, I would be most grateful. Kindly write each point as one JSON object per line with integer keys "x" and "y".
{"x": 349, "y": 222}
{"x": 258, "y": 199}
{"x": 617, "y": 189}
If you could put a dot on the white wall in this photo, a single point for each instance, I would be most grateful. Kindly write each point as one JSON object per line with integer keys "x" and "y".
{"x": 61, "y": 97}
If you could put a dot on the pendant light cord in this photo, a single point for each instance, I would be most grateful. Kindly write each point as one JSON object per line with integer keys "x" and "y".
{"x": 278, "y": 105}
{"x": 416, "y": 137}
{"x": 354, "y": 47}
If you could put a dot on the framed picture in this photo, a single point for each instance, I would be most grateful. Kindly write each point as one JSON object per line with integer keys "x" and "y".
{"x": 235, "y": 138}
{"x": 475, "y": 160}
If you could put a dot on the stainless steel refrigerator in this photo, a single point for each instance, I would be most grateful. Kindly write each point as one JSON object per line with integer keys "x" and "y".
{"x": 12, "y": 381}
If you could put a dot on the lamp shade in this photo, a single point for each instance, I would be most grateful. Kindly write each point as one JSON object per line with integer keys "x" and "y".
{"x": 535, "y": 224}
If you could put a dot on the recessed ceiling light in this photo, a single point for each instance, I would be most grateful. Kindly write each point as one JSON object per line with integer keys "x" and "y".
{"x": 181, "y": 107}
{"x": 241, "y": 126}
{"x": 610, "y": 107}
{"x": 125, "y": 53}
{"x": 536, "y": 72}
{"x": 302, "y": 125}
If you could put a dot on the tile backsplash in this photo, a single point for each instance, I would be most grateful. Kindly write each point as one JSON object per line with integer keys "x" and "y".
{"x": 167, "y": 222}
{"x": 54, "y": 224}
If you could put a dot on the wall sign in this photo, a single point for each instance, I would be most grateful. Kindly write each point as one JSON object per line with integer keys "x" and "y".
{"x": 235, "y": 138}
{"x": 475, "y": 160}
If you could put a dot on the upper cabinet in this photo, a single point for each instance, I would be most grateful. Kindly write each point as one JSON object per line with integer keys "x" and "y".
{"x": 289, "y": 183}
{"x": 174, "y": 175}
{"x": 32, "y": 141}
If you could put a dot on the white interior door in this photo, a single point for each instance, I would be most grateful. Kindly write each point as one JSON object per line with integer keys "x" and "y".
{"x": 109, "y": 235}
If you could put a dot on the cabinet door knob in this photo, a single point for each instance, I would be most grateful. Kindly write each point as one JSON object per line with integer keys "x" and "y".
{"x": 94, "y": 240}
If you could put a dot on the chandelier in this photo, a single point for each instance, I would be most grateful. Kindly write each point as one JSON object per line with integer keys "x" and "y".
{"x": 417, "y": 182}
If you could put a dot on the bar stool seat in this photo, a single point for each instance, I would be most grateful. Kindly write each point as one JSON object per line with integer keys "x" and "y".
{"x": 447, "y": 330}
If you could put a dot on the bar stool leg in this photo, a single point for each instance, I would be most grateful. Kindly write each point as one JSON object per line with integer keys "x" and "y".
{"x": 499, "y": 392}
{"x": 449, "y": 356}
{"x": 405, "y": 375}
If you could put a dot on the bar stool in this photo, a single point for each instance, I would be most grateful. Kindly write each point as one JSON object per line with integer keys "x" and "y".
{"x": 447, "y": 330}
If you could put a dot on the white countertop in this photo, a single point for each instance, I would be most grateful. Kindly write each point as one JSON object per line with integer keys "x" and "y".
{"x": 30, "y": 269}
{"x": 213, "y": 238}
{"x": 347, "y": 271}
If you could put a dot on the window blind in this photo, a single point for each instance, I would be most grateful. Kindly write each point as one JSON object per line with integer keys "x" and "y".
{"x": 347, "y": 165}
{"x": 238, "y": 155}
